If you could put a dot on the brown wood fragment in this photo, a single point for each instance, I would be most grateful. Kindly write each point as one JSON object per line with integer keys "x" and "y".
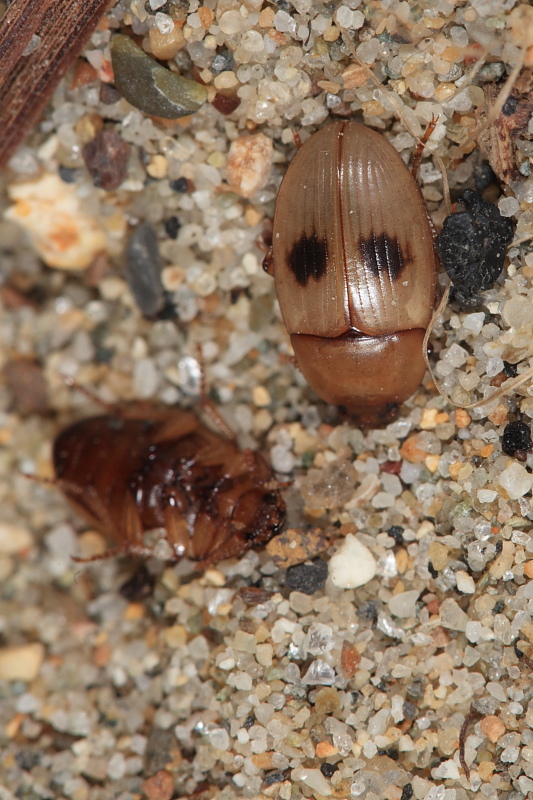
{"x": 497, "y": 142}
{"x": 27, "y": 82}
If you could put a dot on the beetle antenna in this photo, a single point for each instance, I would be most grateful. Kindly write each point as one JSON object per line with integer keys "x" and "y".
{"x": 72, "y": 384}
{"x": 51, "y": 482}
{"x": 207, "y": 405}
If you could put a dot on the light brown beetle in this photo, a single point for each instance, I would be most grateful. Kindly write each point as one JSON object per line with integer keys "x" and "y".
{"x": 355, "y": 270}
{"x": 144, "y": 466}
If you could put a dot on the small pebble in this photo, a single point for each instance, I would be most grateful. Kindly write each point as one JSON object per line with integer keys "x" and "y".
{"x": 143, "y": 270}
{"x": 307, "y": 578}
{"x": 159, "y": 787}
{"x": 350, "y": 659}
{"x": 516, "y": 481}
{"x": 21, "y": 663}
{"x": 26, "y": 383}
{"x": 319, "y": 674}
{"x": 164, "y": 46}
{"x": 295, "y": 545}
{"x": 528, "y": 569}
{"x": 231, "y": 22}
{"x": 329, "y": 487}
{"x": 452, "y": 615}
{"x": 352, "y": 565}
{"x": 106, "y": 158}
{"x": 14, "y": 538}
{"x": 312, "y": 778}
{"x": 327, "y": 701}
{"x": 508, "y": 206}
{"x": 404, "y": 604}
{"x": 63, "y": 233}
{"x": 149, "y": 86}
{"x": 492, "y": 727}
{"x": 281, "y": 459}
{"x": 465, "y": 582}
{"x": 248, "y": 165}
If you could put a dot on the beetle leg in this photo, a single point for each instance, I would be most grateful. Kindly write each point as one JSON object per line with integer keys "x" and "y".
{"x": 132, "y": 530}
{"x": 417, "y": 155}
{"x": 51, "y": 482}
{"x": 108, "y": 407}
{"x": 234, "y": 547}
{"x": 268, "y": 263}
{"x": 217, "y": 420}
{"x": 177, "y": 532}
{"x": 111, "y": 553}
{"x": 208, "y": 407}
{"x": 294, "y": 362}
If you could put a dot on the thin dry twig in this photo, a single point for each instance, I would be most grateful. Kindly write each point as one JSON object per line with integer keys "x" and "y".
{"x": 27, "y": 82}
{"x": 462, "y": 739}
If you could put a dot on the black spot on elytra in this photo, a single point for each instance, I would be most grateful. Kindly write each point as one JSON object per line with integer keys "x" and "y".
{"x": 382, "y": 254}
{"x": 308, "y": 259}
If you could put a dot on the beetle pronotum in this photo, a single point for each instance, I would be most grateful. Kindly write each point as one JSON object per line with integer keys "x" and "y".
{"x": 355, "y": 268}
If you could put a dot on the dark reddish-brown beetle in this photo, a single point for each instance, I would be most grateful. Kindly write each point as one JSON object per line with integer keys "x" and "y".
{"x": 145, "y": 467}
{"x": 355, "y": 270}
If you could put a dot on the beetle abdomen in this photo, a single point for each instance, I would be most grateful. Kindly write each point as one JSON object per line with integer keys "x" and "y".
{"x": 366, "y": 375}
{"x": 353, "y": 254}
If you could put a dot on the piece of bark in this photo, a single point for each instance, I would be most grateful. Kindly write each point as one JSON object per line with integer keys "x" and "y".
{"x": 27, "y": 82}
{"x": 497, "y": 142}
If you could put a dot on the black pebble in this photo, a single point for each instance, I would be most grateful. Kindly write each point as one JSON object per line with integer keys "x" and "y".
{"x": 27, "y": 759}
{"x": 407, "y": 792}
{"x": 472, "y": 246}
{"x": 510, "y": 369}
{"x": 307, "y": 578}
{"x": 396, "y": 533}
{"x": 143, "y": 270}
{"x": 139, "y": 587}
{"x": 274, "y": 777}
{"x": 179, "y": 185}
{"x": 368, "y": 611}
{"x": 516, "y": 440}
{"x": 409, "y": 710}
{"x": 68, "y": 174}
{"x": 328, "y": 770}
{"x": 172, "y": 226}
{"x": 222, "y": 62}
{"x": 510, "y": 106}
{"x": 483, "y": 176}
